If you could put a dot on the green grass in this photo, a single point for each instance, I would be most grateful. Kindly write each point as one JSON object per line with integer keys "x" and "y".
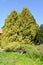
{"x": 15, "y": 58}
{"x": 31, "y": 57}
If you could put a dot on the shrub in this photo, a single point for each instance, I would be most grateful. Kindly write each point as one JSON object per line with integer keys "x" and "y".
{"x": 28, "y": 49}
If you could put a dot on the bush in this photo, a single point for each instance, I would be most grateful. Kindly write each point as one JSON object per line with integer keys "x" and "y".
{"x": 28, "y": 49}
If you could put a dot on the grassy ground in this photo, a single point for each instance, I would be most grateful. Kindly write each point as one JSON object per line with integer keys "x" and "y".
{"x": 15, "y": 58}
{"x": 31, "y": 57}
{"x": 39, "y": 47}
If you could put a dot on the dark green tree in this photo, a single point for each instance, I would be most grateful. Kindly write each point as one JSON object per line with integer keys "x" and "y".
{"x": 40, "y": 34}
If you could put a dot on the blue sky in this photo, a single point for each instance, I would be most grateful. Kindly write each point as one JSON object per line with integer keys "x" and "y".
{"x": 35, "y": 7}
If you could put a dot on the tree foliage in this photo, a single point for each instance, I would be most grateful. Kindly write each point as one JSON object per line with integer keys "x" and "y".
{"x": 20, "y": 27}
{"x": 40, "y": 34}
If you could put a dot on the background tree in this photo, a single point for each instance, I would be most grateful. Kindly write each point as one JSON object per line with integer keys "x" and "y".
{"x": 40, "y": 34}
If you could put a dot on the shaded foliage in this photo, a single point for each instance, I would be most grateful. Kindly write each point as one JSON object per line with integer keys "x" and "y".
{"x": 39, "y": 37}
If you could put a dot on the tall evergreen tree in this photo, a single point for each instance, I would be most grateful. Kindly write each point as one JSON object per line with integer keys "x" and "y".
{"x": 20, "y": 27}
{"x": 9, "y": 27}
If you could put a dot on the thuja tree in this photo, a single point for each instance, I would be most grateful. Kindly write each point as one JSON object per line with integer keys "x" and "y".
{"x": 27, "y": 26}
{"x": 19, "y": 27}
{"x": 9, "y": 27}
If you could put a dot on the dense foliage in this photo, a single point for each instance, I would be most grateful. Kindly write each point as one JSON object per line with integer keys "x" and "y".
{"x": 19, "y": 27}
{"x": 39, "y": 35}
